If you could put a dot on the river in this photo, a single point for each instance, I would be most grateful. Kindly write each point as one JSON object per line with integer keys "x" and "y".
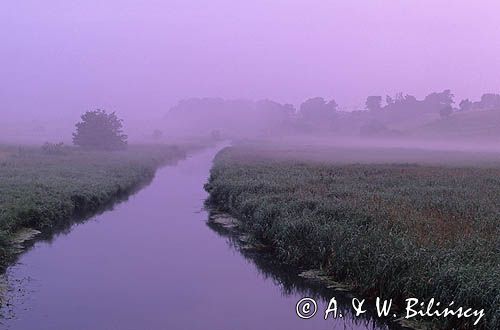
{"x": 152, "y": 262}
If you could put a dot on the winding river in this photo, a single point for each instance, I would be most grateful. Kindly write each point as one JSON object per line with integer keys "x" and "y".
{"x": 153, "y": 263}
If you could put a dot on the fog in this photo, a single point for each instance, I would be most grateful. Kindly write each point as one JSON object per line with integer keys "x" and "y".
{"x": 143, "y": 58}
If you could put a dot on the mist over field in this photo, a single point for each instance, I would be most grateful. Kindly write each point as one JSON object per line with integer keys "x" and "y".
{"x": 194, "y": 67}
{"x": 214, "y": 164}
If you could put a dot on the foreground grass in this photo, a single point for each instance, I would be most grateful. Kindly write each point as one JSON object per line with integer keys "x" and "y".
{"x": 43, "y": 191}
{"x": 393, "y": 230}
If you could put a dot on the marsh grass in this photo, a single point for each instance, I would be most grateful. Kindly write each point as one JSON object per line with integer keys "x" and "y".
{"x": 394, "y": 230}
{"x": 46, "y": 191}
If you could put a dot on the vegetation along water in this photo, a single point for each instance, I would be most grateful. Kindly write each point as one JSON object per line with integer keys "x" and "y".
{"x": 392, "y": 228}
{"x": 43, "y": 188}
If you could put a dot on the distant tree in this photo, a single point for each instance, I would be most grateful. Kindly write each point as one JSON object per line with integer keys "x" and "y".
{"x": 100, "y": 130}
{"x": 273, "y": 111}
{"x": 332, "y": 105}
{"x": 446, "y": 111}
{"x": 465, "y": 105}
{"x": 318, "y": 109}
{"x": 490, "y": 101}
{"x": 439, "y": 100}
{"x": 389, "y": 100}
{"x": 273, "y": 118}
{"x": 317, "y": 114}
{"x": 374, "y": 103}
{"x": 399, "y": 98}
{"x": 402, "y": 102}
{"x": 409, "y": 99}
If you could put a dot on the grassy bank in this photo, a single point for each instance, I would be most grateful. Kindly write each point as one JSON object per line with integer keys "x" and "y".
{"x": 395, "y": 229}
{"x": 40, "y": 189}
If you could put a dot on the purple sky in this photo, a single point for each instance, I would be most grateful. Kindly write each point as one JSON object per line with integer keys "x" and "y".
{"x": 141, "y": 56}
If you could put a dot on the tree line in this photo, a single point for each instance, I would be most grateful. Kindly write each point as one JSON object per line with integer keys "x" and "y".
{"x": 101, "y": 130}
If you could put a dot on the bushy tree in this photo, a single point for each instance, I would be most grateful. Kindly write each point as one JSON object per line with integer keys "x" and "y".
{"x": 389, "y": 100}
{"x": 446, "y": 111}
{"x": 100, "y": 130}
{"x": 317, "y": 109}
{"x": 490, "y": 101}
{"x": 317, "y": 114}
{"x": 402, "y": 102}
{"x": 439, "y": 100}
{"x": 465, "y": 105}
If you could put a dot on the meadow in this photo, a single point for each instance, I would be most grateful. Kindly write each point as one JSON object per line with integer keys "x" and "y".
{"x": 393, "y": 223}
{"x": 43, "y": 188}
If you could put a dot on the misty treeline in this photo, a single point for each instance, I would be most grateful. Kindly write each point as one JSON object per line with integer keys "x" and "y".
{"x": 441, "y": 102}
{"x": 381, "y": 116}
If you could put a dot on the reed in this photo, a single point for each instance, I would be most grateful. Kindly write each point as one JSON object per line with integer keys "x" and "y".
{"x": 393, "y": 230}
{"x": 42, "y": 190}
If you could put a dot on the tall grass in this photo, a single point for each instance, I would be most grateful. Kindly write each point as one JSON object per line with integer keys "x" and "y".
{"x": 391, "y": 230}
{"x": 41, "y": 190}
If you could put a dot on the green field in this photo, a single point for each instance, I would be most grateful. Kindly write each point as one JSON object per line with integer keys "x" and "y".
{"x": 370, "y": 218}
{"x": 43, "y": 190}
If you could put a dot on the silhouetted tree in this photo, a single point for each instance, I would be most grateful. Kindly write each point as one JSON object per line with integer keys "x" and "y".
{"x": 399, "y": 98}
{"x": 374, "y": 103}
{"x": 409, "y": 99}
{"x": 318, "y": 114}
{"x": 465, "y": 105}
{"x": 402, "y": 102}
{"x": 437, "y": 101}
{"x": 446, "y": 111}
{"x": 490, "y": 101}
{"x": 318, "y": 109}
{"x": 100, "y": 130}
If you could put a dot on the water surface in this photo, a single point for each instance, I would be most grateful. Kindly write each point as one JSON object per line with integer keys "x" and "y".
{"x": 153, "y": 263}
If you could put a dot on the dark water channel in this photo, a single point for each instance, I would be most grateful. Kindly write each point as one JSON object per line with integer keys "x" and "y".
{"x": 153, "y": 263}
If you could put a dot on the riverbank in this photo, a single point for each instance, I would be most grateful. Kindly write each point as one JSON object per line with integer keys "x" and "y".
{"x": 397, "y": 230}
{"x": 44, "y": 189}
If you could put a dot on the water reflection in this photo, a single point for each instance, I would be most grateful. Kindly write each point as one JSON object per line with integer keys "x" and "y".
{"x": 152, "y": 263}
{"x": 291, "y": 284}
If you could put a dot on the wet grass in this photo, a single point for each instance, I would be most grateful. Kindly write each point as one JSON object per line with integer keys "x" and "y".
{"x": 46, "y": 191}
{"x": 395, "y": 230}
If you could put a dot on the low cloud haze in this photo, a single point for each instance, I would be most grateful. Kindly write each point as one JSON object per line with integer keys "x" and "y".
{"x": 139, "y": 58}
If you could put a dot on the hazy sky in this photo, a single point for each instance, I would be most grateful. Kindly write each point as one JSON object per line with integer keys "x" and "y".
{"x": 139, "y": 57}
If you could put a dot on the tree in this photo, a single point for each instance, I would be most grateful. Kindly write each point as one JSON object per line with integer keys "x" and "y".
{"x": 402, "y": 102}
{"x": 465, "y": 105}
{"x": 316, "y": 114}
{"x": 317, "y": 109}
{"x": 446, "y": 111}
{"x": 440, "y": 100}
{"x": 374, "y": 103}
{"x": 490, "y": 101}
{"x": 100, "y": 130}
{"x": 389, "y": 100}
